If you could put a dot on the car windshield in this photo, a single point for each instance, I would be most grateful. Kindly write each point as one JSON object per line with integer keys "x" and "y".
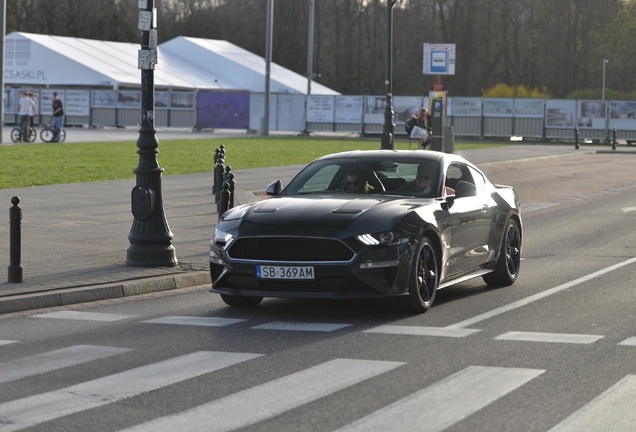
{"x": 357, "y": 176}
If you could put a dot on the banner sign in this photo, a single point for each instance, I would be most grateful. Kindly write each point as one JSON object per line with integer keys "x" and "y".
{"x": 529, "y": 108}
{"x": 349, "y": 109}
{"x": 466, "y": 107}
{"x": 223, "y": 110}
{"x": 560, "y": 113}
{"x": 498, "y": 107}
{"x": 591, "y": 114}
{"x": 320, "y": 109}
{"x": 622, "y": 115}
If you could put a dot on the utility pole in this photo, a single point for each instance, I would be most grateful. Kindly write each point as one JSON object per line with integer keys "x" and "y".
{"x": 387, "y": 128}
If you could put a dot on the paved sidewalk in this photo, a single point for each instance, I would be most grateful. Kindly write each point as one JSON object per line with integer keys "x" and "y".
{"x": 75, "y": 236}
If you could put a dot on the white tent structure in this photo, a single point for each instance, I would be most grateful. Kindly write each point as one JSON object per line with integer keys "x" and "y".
{"x": 183, "y": 63}
{"x": 240, "y": 67}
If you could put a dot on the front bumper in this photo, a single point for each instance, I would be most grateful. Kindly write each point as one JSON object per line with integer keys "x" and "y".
{"x": 332, "y": 279}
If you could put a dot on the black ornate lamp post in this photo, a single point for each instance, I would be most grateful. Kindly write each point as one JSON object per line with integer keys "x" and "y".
{"x": 387, "y": 128}
{"x": 150, "y": 237}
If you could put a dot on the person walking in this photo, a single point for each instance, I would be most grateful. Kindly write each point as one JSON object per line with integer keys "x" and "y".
{"x": 57, "y": 118}
{"x": 25, "y": 107}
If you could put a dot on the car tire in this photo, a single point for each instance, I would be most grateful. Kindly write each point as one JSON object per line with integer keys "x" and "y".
{"x": 241, "y": 301}
{"x": 509, "y": 261}
{"x": 423, "y": 282}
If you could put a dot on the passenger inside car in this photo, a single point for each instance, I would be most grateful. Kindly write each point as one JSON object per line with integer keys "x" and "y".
{"x": 424, "y": 179}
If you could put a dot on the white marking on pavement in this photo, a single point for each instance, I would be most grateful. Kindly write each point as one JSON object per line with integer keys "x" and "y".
{"x": 549, "y": 337}
{"x": 83, "y": 316}
{"x": 629, "y": 341}
{"x": 271, "y": 399}
{"x": 195, "y": 321}
{"x": 37, "y": 409}
{"x": 422, "y": 331}
{"x": 6, "y": 342}
{"x": 54, "y": 360}
{"x": 613, "y": 410}
{"x": 629, "y": 209}
{"x": 446, "y": 402}
{"x": 539, "y": 296}
{"x": 526, "y": 208}
{"x": 316, "y": 327}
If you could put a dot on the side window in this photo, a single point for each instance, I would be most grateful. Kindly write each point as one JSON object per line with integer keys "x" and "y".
{"x": 478, "y": 178}
{"x": 453, "y": 175}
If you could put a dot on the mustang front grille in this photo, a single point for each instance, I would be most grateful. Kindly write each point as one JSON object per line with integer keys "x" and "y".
{"x": 289, "y": 249}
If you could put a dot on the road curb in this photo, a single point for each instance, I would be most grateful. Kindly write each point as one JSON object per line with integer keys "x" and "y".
{"x": 92, "y": 293}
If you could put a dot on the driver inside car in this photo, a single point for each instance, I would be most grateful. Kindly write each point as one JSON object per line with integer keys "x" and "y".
{"x": 355, "y": 183}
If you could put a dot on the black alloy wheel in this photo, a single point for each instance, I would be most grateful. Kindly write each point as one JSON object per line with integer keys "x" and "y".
{"x": 509, "y": 263}
{"x": 424, "y": 280}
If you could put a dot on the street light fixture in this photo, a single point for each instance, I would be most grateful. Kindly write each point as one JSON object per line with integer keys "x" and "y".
{"x": 387, "y": 128}
{"x": 150, "y": 237}
{"x": 604, "y": 63}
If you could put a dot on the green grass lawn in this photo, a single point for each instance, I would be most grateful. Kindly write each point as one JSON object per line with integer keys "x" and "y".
{"x": 35, "y": 165}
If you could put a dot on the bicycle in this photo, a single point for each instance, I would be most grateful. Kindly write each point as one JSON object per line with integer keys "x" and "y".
{"x": 48, "y": 133}
{"x": 16, "y": 135}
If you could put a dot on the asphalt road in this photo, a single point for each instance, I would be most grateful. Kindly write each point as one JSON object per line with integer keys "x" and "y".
{"x": 555, "y": 350}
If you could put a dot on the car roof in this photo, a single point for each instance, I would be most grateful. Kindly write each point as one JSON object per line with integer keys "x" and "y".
{"x": 443, "y": 158}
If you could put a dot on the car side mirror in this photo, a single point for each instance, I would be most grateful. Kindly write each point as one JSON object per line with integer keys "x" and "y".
{"x": 274, "y": 188}
{"x": 465, "y": 189}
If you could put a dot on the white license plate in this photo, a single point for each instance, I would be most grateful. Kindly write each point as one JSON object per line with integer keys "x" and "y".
{"x": 284, "y": 272}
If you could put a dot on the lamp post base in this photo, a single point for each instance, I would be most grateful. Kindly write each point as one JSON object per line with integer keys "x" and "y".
{"x": 151, "y": 255}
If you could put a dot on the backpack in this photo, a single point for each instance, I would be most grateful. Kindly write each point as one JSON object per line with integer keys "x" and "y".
{"x": 408, "y": 126}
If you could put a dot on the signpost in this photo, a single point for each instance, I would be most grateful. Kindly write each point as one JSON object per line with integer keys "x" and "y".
{"x": 438, "y": 59}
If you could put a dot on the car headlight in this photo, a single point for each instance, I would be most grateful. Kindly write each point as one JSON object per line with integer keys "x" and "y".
{"x": 388, "y": 238}
{"x": 221, "y": 237}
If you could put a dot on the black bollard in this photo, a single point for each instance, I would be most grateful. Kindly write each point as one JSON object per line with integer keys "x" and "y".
{"x": 614, "y": 139}
{"x": 232, "y": 187}
{"x": 214, "y": 185}
{"x": 15, "y": 241}
{"x": 224, "y": 200}
{"x": 218, "y": 178}
{"x": 576, "y": 138}
{"x": 226, "y": 172}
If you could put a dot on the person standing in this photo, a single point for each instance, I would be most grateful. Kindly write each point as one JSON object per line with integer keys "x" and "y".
{"x": 57, "y": 118}
{"x": 25, "y": 107}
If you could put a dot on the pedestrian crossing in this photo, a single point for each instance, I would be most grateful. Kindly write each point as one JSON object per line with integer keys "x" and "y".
{"x": 452, "y": 331}
{"x": 451, "y": 399}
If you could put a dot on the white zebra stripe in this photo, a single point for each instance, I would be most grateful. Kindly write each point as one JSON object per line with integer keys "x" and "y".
{"x": 37, "y": 409}
{"x": 447, "y": 402}
{"x": 422, "y": 331}
{"x": 83, "y": 316}
{"x": 6, "y": 342}
{"x": 270, "y": 399}
{"x": 195, "y": 321}
{"x": 629, "y": 341}
{"x": 549, "y": 337}
{"x": 54, "y": 360}
{"x": 613, "y": 410}
{"x": 316, "y": 327}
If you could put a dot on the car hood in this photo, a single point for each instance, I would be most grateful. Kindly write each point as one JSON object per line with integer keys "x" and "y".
{"x": 340, "y": 214}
